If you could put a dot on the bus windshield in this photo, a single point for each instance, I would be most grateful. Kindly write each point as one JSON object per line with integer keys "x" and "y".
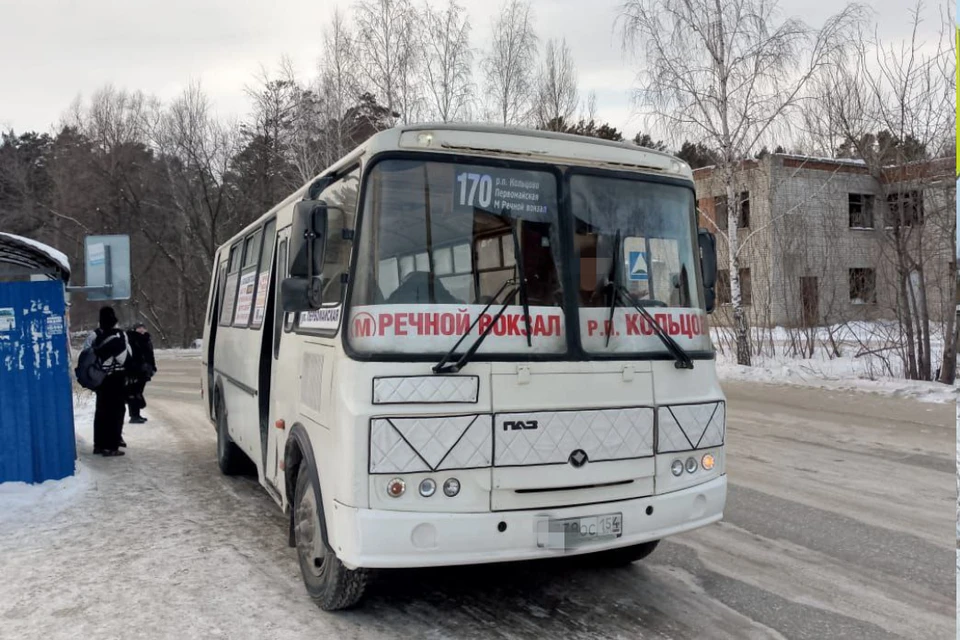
{"x": 648, "y": 228}
{"x": 438, "y": 244}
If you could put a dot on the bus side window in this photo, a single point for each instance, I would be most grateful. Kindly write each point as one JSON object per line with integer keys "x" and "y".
{"x": 216, "y": 284}
{"x": 263, "y": 274}
{"x": 342, "y": 194}
{"x": 229, "y": 292}
{"x": 280, "y": 318}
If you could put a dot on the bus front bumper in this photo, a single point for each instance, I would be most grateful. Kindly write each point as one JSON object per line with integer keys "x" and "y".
{"x": 395, "y": 539}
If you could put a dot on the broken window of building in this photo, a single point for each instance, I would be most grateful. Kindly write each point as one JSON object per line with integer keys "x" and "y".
{"x": 722, "y": 289}
{"x": 863, "y": 289}
{"x": 720, "y": 211}
{"x": 905, "y": 208}
{"x": 860, "y": 207}
{"x": 746, "y": 290}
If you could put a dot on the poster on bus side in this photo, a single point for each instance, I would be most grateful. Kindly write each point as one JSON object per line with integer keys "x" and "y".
{"x": 244, "y": 298}
{"x": 261, "y": 298}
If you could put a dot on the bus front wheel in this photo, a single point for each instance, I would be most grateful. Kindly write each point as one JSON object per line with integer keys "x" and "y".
{"x": 329, "y": 583}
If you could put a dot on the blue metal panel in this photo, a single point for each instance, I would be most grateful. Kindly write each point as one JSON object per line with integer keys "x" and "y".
{"x": 37, "y": 440}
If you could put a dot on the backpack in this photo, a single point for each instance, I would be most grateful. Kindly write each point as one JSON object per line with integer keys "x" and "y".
{"x": 91, "y": 370}
{"x": 89, "y": 373}
{"x": 118, "y": 362}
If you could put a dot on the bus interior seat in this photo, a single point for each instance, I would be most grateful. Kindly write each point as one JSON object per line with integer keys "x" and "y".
{"x": 415, "y": 289}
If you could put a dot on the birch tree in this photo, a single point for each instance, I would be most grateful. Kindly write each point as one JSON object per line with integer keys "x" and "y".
{"x": 387, "y": 53}
{"x": 728, "y": 74}
{"x": 448, "y": 61}
{"x": 556, "y": 89}
{"x": 892, "y": 107}
{"x": 339, "y": 86}
{"x": 508, "y": 64}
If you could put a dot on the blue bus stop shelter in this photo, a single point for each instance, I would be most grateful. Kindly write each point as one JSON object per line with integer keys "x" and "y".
{"x": 37, "y": 439}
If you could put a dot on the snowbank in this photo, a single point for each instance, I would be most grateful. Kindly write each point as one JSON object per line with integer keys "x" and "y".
{"x": 179, "y": 353}
{"x": 847, "y": 373}
{"x": 53, "y": 494}
{"x": 841, "y": 374}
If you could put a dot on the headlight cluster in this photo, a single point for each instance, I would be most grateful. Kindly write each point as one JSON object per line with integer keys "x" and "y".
{"x": 691, "y": 464}
{"x": 428, "y": 486}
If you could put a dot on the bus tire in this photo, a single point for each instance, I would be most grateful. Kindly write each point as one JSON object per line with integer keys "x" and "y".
{"x": 626, "y": 555}
{"x": 229, "y": 457}
{"x": 330, "y": 584}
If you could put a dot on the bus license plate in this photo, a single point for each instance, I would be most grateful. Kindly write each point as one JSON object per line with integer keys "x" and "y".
{"x": 578, "y": 531}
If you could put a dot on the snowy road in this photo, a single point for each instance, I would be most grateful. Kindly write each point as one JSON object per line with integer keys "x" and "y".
{"x": 840, "y": 524}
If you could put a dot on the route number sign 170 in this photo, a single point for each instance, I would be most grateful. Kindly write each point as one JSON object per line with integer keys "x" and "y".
{"x": 475, "y": 189}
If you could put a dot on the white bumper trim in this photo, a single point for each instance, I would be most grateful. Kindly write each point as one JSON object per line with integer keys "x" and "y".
{"x": 395, "y": 539}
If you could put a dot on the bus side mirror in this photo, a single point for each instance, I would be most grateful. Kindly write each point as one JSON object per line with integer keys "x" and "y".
{"x": 708, "y": 266}
{"x": 308, "y": 239}
{"x": 303, "y": 290}
{"x": 301, "y": 294}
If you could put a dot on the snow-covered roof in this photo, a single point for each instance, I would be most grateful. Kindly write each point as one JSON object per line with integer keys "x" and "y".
{"x": 32, "y": 254}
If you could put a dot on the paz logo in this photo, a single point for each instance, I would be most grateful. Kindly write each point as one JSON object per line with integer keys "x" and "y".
{"x": 638, "y": 265}
{"x": 578, "y": 458}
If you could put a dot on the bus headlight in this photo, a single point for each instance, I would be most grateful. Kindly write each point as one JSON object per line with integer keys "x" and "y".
{"x": 677, "y": 468}
{"x": 427, "y": 487}
{"x": 692, "y": 465}
{"x": 396, "y": 487}
{"x": 707, "y": 461}
{"x": 451, "y": 487}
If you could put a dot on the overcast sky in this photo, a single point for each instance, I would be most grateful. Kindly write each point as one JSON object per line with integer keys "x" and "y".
{"x": 53, "y": 50}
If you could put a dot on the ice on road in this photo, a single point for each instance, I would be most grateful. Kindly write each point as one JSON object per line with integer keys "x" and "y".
{"x": 837, "y": 526}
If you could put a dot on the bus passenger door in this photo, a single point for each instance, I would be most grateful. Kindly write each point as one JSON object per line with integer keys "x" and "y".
{"x": 283, "y": 372}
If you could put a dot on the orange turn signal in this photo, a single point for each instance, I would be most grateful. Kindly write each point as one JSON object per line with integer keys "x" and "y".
{"x": 280, "y": 424}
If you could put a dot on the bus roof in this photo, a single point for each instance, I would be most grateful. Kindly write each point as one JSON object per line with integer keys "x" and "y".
{"x": 486, "y": 140}
{"x": 535, "y": 133}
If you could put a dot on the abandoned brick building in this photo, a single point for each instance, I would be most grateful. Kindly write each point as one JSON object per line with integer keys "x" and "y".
{"x": 820, "y": 239}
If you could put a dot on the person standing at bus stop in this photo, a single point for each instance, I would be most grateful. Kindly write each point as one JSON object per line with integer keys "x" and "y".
{"x": 140, "y": 370}
{"x": 112, "y": 349}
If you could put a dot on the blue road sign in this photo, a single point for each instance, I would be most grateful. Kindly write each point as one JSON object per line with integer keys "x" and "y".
{"x": 638, "y": 266}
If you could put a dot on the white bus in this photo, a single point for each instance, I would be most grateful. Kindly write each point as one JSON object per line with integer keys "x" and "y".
{"x": 464, "y": 344}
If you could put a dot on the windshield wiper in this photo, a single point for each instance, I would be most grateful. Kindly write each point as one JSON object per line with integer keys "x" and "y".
{"x": 521, "y": 277}
{"x": 443, "y": 366}
{"x": 683, "y": 360}
{"x": 614, "y": 275}
{"x": 518, "y": 259}
{"x": 521, "y": 289}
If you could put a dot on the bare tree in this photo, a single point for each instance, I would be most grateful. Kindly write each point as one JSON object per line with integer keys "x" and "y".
{"x": 339, "y": 86}
{"x": 508, "y": 64}
{"x": 557, "y": 95}
{"x": 448, "y": 60}
{"x": 727, "y": 73}
{"x": 198, "y": 148}
{"x": 892, "y": 107}
{"x": 387, "y": 53}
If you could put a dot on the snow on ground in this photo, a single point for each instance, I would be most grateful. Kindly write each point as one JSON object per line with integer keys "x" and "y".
{"x": 178, "y": 353}
{"x": 839, "y": 374}
{"x": 52, "y": 495}
{"x": 856, "y": 370}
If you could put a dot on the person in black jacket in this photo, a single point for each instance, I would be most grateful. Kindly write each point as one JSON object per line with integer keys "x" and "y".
{"x": 140, "y": 369}
{"x": 112, "y": 349}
